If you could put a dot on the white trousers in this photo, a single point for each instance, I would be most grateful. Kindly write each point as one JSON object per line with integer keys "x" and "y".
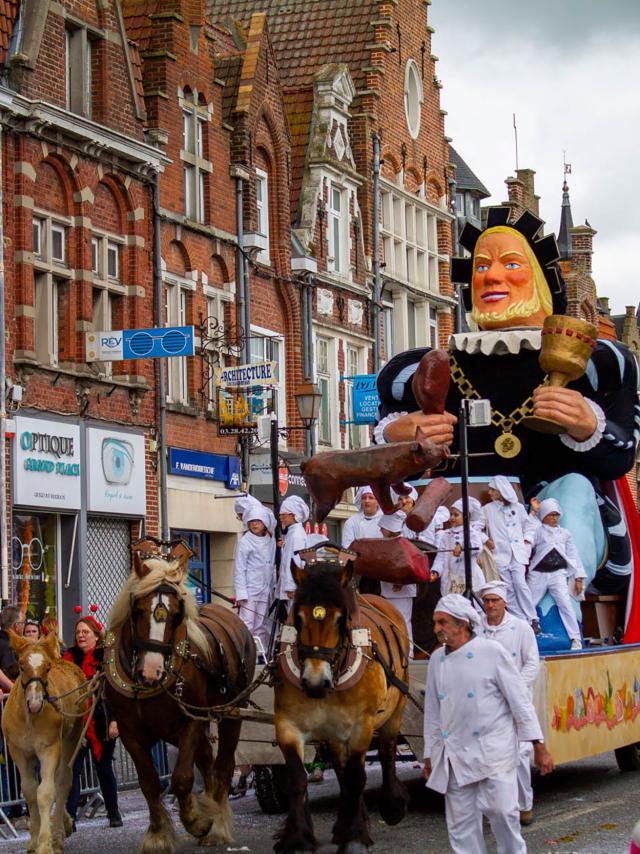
{"x": 519, "y": 599}
{"x": 494, "y": 797}
{"x": 253, "y": 615}
{"x": 404, "y": 604}
{"x": 556, "y": 584}
{"x": 525, "y": 790}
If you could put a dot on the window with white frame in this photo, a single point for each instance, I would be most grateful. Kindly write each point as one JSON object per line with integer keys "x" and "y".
{"x": 216, "y": 303}
{"x": 108, "y": 290}
{"x": 51, "y": 282}
{"x": 338, "y": 230}
{"x": 195, "y": 164}
{"x": 266, "y": 346}
{"x": 387, "y": 324}
{"x": 355, "y": 365}
{"x": 433, "y": 326}
{"x": 325, "y": 374}
{"x": 262, "y": 204}
{"x": 410, "y": 240}
{"x": 177, "y": 295}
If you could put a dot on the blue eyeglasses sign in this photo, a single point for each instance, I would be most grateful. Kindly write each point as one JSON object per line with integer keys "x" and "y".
{"x": 162, "y": 342}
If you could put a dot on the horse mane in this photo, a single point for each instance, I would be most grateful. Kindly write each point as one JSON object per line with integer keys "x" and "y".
{"x": 135, "y": 587}
{"x": 321, "y": 585}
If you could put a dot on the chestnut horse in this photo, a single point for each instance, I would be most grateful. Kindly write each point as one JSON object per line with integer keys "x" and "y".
{"x": 166, "y": 662}
{"x": 343, "y": 675}
{"x": 38, "y": 727}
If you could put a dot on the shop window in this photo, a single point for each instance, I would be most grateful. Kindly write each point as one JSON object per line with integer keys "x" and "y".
{"x": 34, "y": 563}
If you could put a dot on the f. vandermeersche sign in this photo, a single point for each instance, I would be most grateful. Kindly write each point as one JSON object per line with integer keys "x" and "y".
{"x": 205, "y": 466}
{"x": 262, "y": 373}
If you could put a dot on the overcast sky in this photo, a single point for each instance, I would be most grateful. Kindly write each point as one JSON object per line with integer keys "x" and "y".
{"x": 570, "y": 70}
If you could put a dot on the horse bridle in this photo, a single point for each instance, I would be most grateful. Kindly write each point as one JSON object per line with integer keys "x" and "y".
{"x": 41, "y": 681}
{"x": 330, "y": 654}
{"x": 147, "y": 644}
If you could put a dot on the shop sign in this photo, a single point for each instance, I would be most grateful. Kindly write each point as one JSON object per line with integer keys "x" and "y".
{"x": 245, "y": 376}
{"x": 47, "y": 464}
{"x": 205, "y": 466}
{"x": 116, "y": 481}
{"x": 365, "y": 398}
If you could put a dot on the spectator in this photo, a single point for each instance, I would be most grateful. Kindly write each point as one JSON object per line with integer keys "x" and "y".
{"x": 9, "y": 619}
{"x": 31, "y": 629}
{"x": 88, "y": 653}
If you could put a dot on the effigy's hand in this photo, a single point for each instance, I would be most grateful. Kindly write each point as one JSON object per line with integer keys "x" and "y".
{"x": 438, "y": 427}
{"x": 568, "y": 407}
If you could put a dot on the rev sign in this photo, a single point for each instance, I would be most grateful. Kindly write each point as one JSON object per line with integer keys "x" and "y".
{"x": 115, "y": 345}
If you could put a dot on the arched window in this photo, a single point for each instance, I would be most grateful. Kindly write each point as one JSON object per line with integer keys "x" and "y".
{"x": 413, "y": 98}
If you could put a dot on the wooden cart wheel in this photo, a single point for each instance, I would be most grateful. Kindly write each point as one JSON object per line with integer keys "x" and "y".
{"x": 270, "y": 788}
{"x": 628, "y": 757}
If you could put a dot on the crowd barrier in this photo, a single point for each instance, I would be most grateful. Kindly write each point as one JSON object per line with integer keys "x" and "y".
{"x": 12, "y": 801}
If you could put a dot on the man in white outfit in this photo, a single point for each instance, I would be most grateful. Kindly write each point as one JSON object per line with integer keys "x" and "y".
{"x": 401, "y": 595}
{"x": 510, "y": 532}
{"x": 517, "y": 637}
{"x": 477, "y": 710}
{"x": 294, "y": 512}
{"x": 363, "y": 525}
{"x": 554, "y": 561}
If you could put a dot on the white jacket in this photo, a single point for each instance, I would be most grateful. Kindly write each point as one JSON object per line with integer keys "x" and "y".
{"x": 255, "y": 571}
{"x": 295, "y": 539}
{"x": 547, "y": 538}
{"x": 509, "y": 526}
{"x": 519, "y": 640}
{"x": 361, "y": 527}
{"x": 451, "y": 568}
{"x": 477, "y": 709}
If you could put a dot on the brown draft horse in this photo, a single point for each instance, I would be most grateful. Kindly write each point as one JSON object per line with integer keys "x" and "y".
{"x": 162, "y": 651}
{"x": 36, "y": 727}
{"x": 342, "y": 675}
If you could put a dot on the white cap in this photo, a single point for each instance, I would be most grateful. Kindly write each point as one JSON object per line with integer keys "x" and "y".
{"x": 502, "y": 485}
{"x": 494, "y": 588}
{"x": 413, "y": 494}
{"x": 459, "y": 607}
{"x": 258, "y": 513}
{"x": 294, "y": 504}
{"x": 360, "y": 493}
{"x": 549, "y": 505}
{"x": 393, "y": 522}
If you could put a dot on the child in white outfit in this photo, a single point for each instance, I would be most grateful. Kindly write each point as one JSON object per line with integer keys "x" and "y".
{"x": 555, "y": 559}
{"x": 255, "y": 572}
{"x": 449, "y": 563}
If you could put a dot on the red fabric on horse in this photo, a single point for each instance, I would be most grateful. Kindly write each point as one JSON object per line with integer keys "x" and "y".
{"x": 396, "y": 560}
{"x": 632, "y": 629}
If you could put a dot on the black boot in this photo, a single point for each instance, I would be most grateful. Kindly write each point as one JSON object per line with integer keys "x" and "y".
{"x": 115, "y": 819}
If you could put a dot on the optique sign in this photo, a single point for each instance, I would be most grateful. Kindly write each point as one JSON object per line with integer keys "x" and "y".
{"x": 47, "y": 463}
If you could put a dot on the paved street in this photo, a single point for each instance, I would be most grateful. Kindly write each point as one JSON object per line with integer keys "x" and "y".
{"x": 585, "y": 808}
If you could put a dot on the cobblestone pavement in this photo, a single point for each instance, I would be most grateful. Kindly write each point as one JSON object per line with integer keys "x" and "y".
{"x": 584, "y": 808}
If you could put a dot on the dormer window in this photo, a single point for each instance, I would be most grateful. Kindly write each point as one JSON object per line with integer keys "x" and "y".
{"x": 195, "y": 116}
{"x": 79, "y": 48}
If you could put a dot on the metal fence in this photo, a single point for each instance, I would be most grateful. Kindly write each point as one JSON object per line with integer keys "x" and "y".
{"x": 12, "y": 800}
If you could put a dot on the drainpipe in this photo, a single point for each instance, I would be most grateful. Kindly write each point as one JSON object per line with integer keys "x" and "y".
{"x": 377, "y": 284}
{"x": 4, "y": 536}
{"x": 243, "y": 308}
{"x": 160, "y": 364}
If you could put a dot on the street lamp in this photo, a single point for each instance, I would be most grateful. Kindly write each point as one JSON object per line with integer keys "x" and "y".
{"x": 308, "y": 398}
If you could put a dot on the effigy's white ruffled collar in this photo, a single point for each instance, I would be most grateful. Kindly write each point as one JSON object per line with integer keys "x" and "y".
{"x": 497, "y": 343}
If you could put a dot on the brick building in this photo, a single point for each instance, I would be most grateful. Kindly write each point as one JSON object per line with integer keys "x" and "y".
{"x": 358, "y": 69}
{"x": 76, "y": 181}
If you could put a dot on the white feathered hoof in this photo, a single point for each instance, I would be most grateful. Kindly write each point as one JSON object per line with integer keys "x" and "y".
{"x": 354, "y": 847}
{"x": 159, "y": 841}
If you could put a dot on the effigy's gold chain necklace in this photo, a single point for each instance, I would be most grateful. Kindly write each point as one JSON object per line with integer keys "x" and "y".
{"x": 507, "y": 445}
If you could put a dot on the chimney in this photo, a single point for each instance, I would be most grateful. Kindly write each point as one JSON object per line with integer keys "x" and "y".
{"x": 630, "y": 310}
{"x": 530, "y": 200}
{"x": 604, "y": 305}
{"x": 515, "y": 189}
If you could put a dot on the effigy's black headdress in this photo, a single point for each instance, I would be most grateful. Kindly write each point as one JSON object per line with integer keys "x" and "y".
{"x": 528, "y": 225}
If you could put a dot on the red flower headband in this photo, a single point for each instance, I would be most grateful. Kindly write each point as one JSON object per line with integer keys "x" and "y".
{"x": 89, "y": 618}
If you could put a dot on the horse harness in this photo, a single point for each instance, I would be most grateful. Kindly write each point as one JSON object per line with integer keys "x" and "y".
{"x": 348, "y": 659}
{"x": 119, "y": 670}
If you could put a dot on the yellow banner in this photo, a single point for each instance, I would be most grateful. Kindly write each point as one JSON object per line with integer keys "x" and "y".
{"x": 592, "y": 703}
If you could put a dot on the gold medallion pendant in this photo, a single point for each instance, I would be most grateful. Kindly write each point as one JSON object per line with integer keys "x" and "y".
{"x": 507, "y": 445}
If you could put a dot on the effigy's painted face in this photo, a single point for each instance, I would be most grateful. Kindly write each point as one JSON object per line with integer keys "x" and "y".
{"x": 504, "y": 292}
